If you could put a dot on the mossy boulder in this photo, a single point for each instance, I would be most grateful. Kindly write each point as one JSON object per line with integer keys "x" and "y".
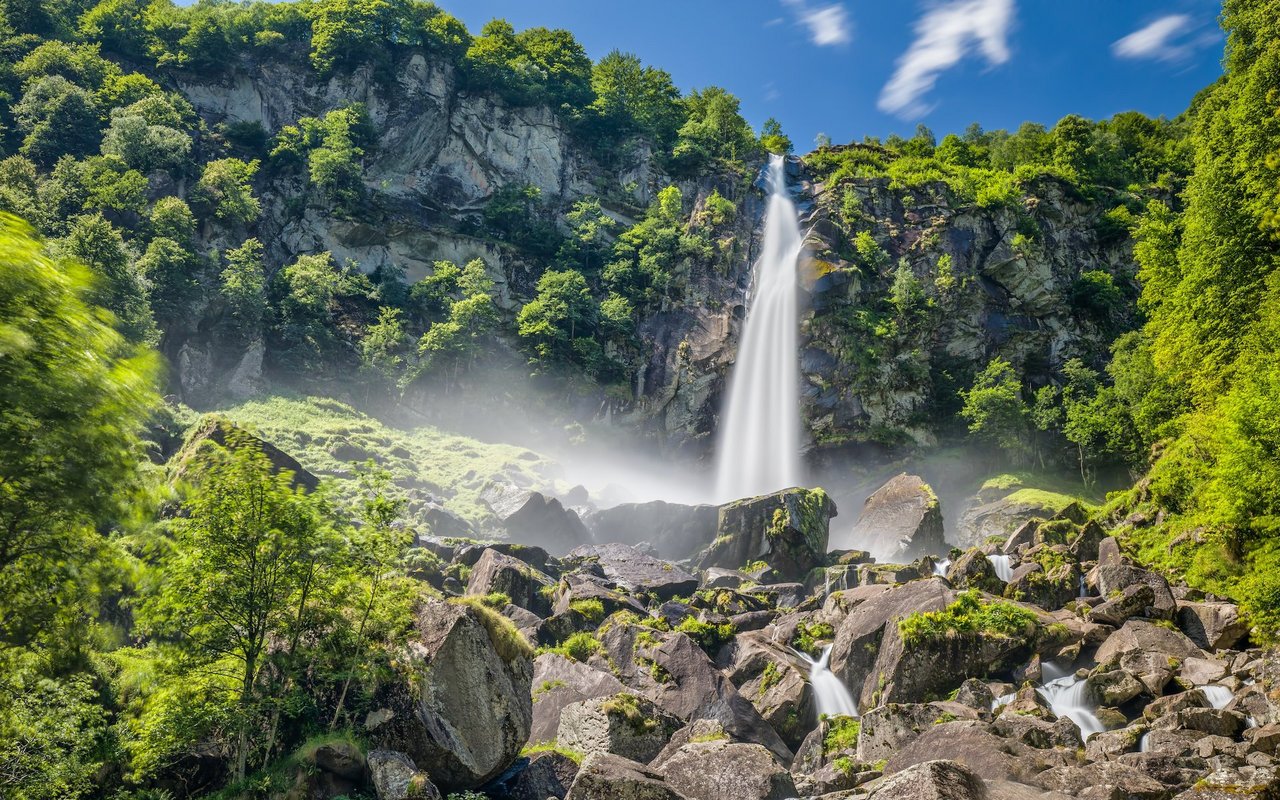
{"x": 788, "y": 529}
{"x": 624, "y": 724}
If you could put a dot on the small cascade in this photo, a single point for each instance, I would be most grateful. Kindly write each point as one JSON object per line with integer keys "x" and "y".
{"x": 940, "y": 567}
{"x": 1084, "y": 589}
{"x": 1003, "y": 566}
{"x": 1066, "y": 697}
{"x": 830, "y": 693}
{"x": 1218, "y": 696}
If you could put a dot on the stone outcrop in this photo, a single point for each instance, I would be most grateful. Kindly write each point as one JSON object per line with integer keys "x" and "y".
{"x": 676, "y": 531}
{"x": 900, "y": 522}
{"x": 533, "y": 518}
{"x": 463, "y": 707}
{"x": 788, "y": 530}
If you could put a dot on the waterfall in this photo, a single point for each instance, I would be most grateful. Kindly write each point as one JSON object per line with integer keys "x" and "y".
{"x": 1067, "y": 697}
{"x": 940, "y": 567}
{"x": 1218, "y": 696}
{"x": 830, "y": 693}
{"x": 759, "y": 444}
{"x": 1003, "y": 567}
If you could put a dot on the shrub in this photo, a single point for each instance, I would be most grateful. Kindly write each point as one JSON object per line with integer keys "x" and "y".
{"x": 969, "y": 616}
{"x": 842, "y": 734}
{"x": 709, "y": 636}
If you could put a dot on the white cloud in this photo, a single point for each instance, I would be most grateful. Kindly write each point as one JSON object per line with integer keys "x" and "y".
{"x": 828, "y": 25}
{"x": 944, "y": 36}
{"x": 1158, "y": 40}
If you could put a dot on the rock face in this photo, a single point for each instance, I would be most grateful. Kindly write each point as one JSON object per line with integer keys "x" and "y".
{"x": 633, "y": 571}
{"x": 463, "y": 708}
{"x": 396, "y": 777}
{"x": 624, "y": 724}
{"x": 721, "y": 769}
{"x": 676, "y": 531}
{"x": 559, "y": 682}
{"x": 788, "y": 530}
{"x": 900, "y": 522}
{"x": 495, "y": 572}
{"x": 220, "y": 431}
{"x": 605, "y": 776}
{"x": 933, "y": 780}
{"x": 533, "y": 518}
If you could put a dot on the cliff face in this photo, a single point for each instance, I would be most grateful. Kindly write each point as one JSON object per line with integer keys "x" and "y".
{"x": 969, "y": 282}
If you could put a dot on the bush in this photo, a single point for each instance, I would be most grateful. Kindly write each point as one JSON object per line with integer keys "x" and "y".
{"x": 969, "y": 616}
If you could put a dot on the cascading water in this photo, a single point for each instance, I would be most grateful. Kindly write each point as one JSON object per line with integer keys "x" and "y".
{"x": 759, "y": 447}
{"x": 830, "y": 693}
{"x": 1067, "y": 697}
{"x": 1003, "y": 567}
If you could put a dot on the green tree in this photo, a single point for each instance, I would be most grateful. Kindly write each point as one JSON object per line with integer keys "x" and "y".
{"x": 244, "y": 552}
{"x": 995, "y": 409}
{"x": 381, "y": 349}
{"x": 75, "y": 396}
{"x": 561, "y": 312}
{"x": 171, "y": 218}
{"x": 224, "y": 191}
{"x": 96, "y": 243}
{"x": 57, "y": 118}
{"x": 243, "y": 288}
{"x": 772, "y": 139}
{"x": 146, "y": 147}
{"x": 631, "y": 98}
{"x": 170, "y": 271}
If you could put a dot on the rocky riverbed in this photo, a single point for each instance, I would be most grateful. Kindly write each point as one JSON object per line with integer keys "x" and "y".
{"x": 607, "y": 671}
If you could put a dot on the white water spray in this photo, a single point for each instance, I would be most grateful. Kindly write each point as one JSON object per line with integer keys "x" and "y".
{"x": 1067, "y": 697}
{"x": 830, "y": 693}
{"x": 759, "y": 447}
{"x": 1003, "y": 567}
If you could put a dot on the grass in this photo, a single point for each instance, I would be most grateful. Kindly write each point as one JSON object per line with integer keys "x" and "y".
{"x": 969, "y": 615}
{"x": 709, "y": 636}
{"x": 327, "y": 436}
{"x": 810, "y": 635}
{"x": 1050, "y": 491}
{"x": 579, "y": 647}
{"x": 552, "y": 746}
{"x": 842, "y": 734}
{"x": 506, "y": 638}
{"x": 627, "y": 706}
{"x": 591, "y": 608}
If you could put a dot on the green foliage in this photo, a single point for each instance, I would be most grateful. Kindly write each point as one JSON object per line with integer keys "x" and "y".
{"x": 224, "y": 191}
{"x": 772, "y": 139}
{"x": 144, "y": 146}
{"x": 56, "y": 118}
{"x": 579, "y": 647}
{"x": 95, "y": 242}
{"x": 710, "y": 636}
{"x": 243, "y": 288}
{"x": 842, "y": 734}
{"x": 591, "y": 608}
{"x": 995, "y": 409}
{"x": 970, "y": 615}
{"x": 713, "y": 131}
{"x": 810, "y": 636}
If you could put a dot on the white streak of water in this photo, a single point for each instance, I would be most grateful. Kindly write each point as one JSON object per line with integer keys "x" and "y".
{"x": 1003, "y": 566}
{"x": 940, "y": 567}
{"x": 759, "y": 441}
{"x": 832, "y": 696}
{"x": 1218, "y": 696}
{"x": 1067, "y": 697}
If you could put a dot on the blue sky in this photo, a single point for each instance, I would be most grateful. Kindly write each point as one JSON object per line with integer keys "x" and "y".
{"x": 849, "y": 68}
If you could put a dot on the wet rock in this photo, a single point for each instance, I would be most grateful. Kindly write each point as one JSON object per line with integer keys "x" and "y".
{"x": 768, "y": 677}
{"x": 533, "y": 518}
{"x": 634, "y": 572}
{"x": 677, "y": 531}
{"x": 624, "y": 724}
{"x": 787, "y": 529}
{"x": 1038, "y": 733}
{"x": 605, "y": 776}
{"x": 900, "y": 522}
{"x": 723, "y": 769}
{"x": 462, "y": 707}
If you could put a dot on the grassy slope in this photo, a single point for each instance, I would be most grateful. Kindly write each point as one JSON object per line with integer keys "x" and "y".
{"x": 330, "y": 438}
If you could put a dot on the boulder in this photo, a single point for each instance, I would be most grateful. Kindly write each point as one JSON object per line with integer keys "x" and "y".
{"x": 974, "y": 570}
{"x": 724, "y": 769}
{"x": 1132, "y": 601}
{"x": 982, "y": 520}
{"x": 974, "y": 745}
{"x": 633, "y": 571}
{"x": 932, "y": 780}
{"x": 1113, "y": 687}
{"x": 559, "y": 682}
{"x": 533, "y": 518}
{"x": 462, "y": 707}
{"x": 1109, "y": 552}
{"x": 526, "y": 586}
{"x": 548, "y": 774}
{"x": 396, "y": 777}
{"x": 1243, "y": 783}
{"x": 1148, "y": 651}
{"x": 674, "y": 672}
{"x": 605, "y": 776}
{"x": 1111, "y": 579}
{"x": 900, "y": 522}
{"x": 624, "y": 724}
{"x": 769, "y": 678}
{"x": 677, "y": 531}
{"x": 1213, "y": 626}
{"x": 888, "y": 728}
{"x": 1117, "y": 779}
{"x": 787, "y": 529}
